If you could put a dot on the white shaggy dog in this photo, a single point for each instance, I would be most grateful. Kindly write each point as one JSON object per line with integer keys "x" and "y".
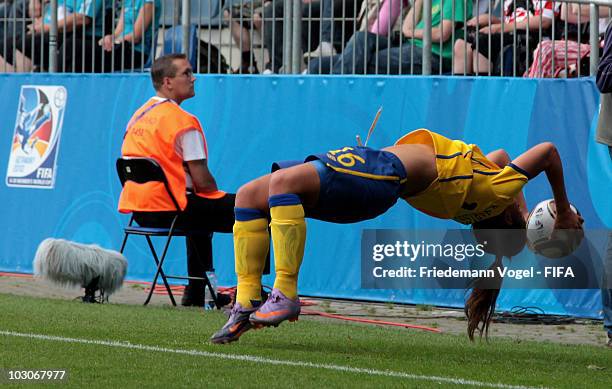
{"x": 78, "y": 265}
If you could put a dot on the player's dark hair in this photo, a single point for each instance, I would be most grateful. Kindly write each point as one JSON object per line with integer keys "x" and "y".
{"x": 505, "y": 233}
{"x": 505, "y": 236}
{"x": 480, "y": 306}
{"x": 511, "y": 218}
{"x": 164, "y": 67}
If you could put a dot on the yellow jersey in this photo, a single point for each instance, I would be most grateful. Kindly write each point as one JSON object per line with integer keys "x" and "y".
{"x": 469, "y": 188}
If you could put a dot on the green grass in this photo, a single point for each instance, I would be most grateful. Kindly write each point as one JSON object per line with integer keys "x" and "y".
{"x": 424, "y": 307}
{"x": 337, "y": 343}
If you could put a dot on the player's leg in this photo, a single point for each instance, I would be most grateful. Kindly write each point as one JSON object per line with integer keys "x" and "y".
{"x": 251, "y": 245}
{"x": 251, "y": 240}
{"x": 499, "y": 157}
{"x": 288, "y": 188}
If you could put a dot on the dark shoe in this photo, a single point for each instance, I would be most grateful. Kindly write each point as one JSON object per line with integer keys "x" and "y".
{"x": 237, "y": 324}
{"x": 193, "y": 296}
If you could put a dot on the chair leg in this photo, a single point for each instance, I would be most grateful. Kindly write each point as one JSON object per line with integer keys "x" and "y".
{"x": 159, "y": 271}
{"x": 125, "y": 238}
{"x": 161, "y": 261}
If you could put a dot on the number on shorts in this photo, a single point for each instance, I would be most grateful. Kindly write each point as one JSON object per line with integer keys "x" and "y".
{"x": 345, "y": 157}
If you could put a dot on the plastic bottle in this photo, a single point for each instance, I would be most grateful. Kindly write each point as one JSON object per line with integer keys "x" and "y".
{"x": 209, "y": 303}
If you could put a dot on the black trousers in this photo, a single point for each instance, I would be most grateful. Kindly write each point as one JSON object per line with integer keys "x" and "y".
{"x": 273, "y": 27}
{"x": 85, "y": 55}
{"x": 201, "y": 214}
{"x": 35, "y": 47}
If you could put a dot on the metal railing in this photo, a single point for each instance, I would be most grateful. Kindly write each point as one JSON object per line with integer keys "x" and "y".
{"x": 283, "y": 36}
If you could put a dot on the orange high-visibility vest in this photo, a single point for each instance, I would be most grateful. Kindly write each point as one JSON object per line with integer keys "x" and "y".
{"x": 152, "y": 132}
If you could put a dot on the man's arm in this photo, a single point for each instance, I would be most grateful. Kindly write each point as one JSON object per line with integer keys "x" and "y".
{"x": 545, "y": 158}
{"x": 109, "y": 40}
{"x": 443, "y": 31}
{"x": 533, "y": 24}
{"x": 412, "y": 18}
{"x": 438, "y": 34}
{"x": 142, "y": 23}
{"x": 483, "y": 20}
{"x": 68, "y": 23}
{"x": 604, "y": 69}
{"x": 203, "y": 180}
{"x": 584, "y": 10}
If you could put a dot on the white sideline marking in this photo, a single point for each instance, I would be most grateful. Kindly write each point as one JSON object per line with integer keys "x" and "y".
{"x": 256, "y": 359}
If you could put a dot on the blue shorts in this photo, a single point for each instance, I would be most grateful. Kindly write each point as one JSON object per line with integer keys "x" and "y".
{"x": 357, "y": 183}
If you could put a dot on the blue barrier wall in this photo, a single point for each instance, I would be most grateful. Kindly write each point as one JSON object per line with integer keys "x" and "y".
{"x": 251, "y": 121}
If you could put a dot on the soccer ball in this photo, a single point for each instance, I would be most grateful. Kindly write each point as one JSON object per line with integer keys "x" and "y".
{"x": 540, "y": 225}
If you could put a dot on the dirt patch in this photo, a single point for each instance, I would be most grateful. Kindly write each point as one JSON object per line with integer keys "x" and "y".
{"x": 446, "y": 320}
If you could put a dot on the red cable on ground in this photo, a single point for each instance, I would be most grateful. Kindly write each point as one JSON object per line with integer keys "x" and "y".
{"x": 161, "y": 289}
{"x": 178, "y": 289}
{"x": 371, "y": 321}
{"x": 17, "y": 275}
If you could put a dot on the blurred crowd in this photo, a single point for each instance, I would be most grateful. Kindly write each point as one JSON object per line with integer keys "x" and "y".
{"x": 531, "y": 38}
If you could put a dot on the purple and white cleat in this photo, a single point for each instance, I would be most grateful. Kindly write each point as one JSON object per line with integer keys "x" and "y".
{"x": 275, "y": 310}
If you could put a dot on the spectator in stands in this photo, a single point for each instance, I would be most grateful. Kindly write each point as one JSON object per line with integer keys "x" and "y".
{"x": 14, "y": 14}
{"x": 604, "y": 135}
{"x": 31, "y": 51}
{"x": 311, "y": 10}
{"x": 472, "y": 54}
{"x": 374, "y": 16}
{"x": 162, "y": 130}
{"x": 242, "y": 16}
{"x": 360, "y": 53}
{"x": 128, "y": 47}
{"x": 572, "y": 50}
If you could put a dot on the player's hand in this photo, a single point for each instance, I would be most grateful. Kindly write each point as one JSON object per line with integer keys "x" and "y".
{"x": 568, "y": 223}
{"x": 569, "y": 220}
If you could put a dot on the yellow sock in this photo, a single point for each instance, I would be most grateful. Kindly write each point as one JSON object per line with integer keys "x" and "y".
{"x": 251, "y": 245}
{"x": 288, "y": 237}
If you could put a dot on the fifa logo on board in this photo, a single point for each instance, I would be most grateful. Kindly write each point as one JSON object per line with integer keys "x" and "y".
{"x": 36, "y": 139}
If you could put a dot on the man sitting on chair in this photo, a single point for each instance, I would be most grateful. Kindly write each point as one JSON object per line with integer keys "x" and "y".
{"x": 162, "y": 130}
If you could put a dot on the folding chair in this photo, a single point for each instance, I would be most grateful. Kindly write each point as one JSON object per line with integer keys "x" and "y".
{"x": 141, "y": 170}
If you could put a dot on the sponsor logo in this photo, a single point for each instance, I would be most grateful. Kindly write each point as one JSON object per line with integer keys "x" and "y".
{"x": 35, "y": 143}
